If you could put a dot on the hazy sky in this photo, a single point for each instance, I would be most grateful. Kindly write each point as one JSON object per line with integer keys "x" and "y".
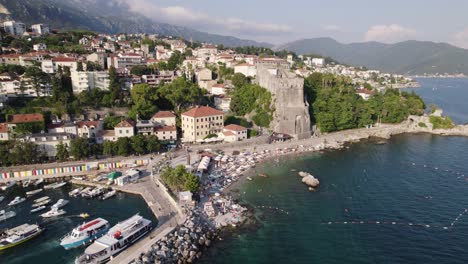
{"x": 347, "y": 21}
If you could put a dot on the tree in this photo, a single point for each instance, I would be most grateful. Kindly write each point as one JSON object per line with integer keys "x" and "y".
{"x": 79, "y": 148}
{"x": 143, "y": 97}
{"x": 239, "y": 80}
{"x": 115, "y": 87}
{"x": 138, "y": 144}
{"x": 62, "y": 152}
{"x": 179, "y": 179}
{"x": 79, "y": 66}
{"x": 192, "y": 183}
{"x": 180, "y": 93}
{"x": 109, "y": 148}
{"x": 175, "y": 60}
{"x": 38, "y": 79}
{"x": 152, "y": 144}
{"x": 25, "y": 153}
{"x": 140, "y": 70}
{"x": 123, "y": 147}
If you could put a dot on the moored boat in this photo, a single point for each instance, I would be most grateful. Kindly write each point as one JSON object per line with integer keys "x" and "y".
{"x": 33, "y": 192}
{"x": 60, "y": 203}
{"x": 54, "y": 185}
{"x": 8, "y": 185}
{"x": 4, "y": 215}
{"x": 53, "y": 213}
{"x": 109, "y": 195}
{"x": 41, "y": 203}
{"x": 38, "y": 182}
{"x": 26, "y": 183}
{"x": 116, "y": 240}
{"x": 75, "y": 192}
{"x": 38, "y": 200}
{"x": 18, "y": 235}
{"x": 85, "y": 233}
{"x": 17, "y": 200}
{"x": 37, "y": 209}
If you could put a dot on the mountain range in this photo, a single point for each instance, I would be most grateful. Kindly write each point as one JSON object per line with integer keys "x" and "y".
{"x": 408, "y": 57}
{"x": 113, "y": 16}
{"x": 106, "y": 16}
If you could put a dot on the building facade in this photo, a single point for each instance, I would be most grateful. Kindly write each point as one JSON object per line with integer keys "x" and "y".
{"x": 201, "y": 121}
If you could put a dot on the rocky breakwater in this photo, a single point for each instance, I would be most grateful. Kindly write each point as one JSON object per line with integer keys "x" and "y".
{"x": 184, "y": 244}
{"x": 309, "y": 180}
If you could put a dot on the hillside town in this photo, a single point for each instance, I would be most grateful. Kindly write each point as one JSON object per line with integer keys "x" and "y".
{"x": 99, "y": 62}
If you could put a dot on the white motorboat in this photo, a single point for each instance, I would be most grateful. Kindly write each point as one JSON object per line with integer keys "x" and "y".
{"x": 75, "y": 192}
{"x": 109, "y": 195}
{"x": 60, "y": 203}
{"x": 38, "y": 200}
{"x": 33, "y": 192}
{"x": 26, "y": 183}
{"x": 85, "y": 233}
{"x": 4, "y": 215}
{"x": 54, "y": 212}
{"x": 96, "y": 192}
{"x": 39, "y": 182}
{"x": 41, "y": 203}
{"x": 8, "y": 185}
{"x": 116, "y": 240}
{"x": 17, "y": 200}
{"x": 85, "y": 192}
{"x": 37, "y": 209}
{"x": 54, "y": 185}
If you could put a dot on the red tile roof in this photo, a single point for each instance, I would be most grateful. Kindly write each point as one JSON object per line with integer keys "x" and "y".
{"x": 26, "y": 118}
{"x": 165, "y": 129}
{"x": 228, "y": 133}
{"x": 234, "y": 127}
{"x": 3, "y": 128}
{"x": 201, "y": 111}
{"x": 164, "y": 114}
{"x": 88, "y": 123}
{"x": 126, "y": 123}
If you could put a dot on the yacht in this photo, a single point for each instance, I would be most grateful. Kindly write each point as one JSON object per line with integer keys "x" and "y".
{"x": 41, "y": 203}
{"x": 37, "y": 209}
{"x": 17, "y": 200}
{"x": 5, "y": 215}
{"x": 119, "y": 237}
{"x": 85, "y": 233}
{"x": 18, "y": 235}
{"x": 38, "y": 200}
{"x": 109, "y": 195}
{"x": 33, "y": 192}
{"x": 85, "y": 192}
{"x": 75, "y": 192}
{"x": 96, "y": 192}
{"x": 59, "y": 204}
{"x": 53, "y": 212}
{"x": 8, "y": 185}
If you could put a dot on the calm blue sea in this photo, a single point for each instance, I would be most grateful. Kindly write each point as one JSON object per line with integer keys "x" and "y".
{"x": 46, "y": 249}
{"x": 401, "y": 202}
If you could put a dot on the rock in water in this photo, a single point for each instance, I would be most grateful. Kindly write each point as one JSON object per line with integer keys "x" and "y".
{"x": 311, "y": 181}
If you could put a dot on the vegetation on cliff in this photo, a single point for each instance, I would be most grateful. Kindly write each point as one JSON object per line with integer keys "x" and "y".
{"x": 439, "y": 122}
{"x": 250, "y": 98}
{"x": 334, "y": 104}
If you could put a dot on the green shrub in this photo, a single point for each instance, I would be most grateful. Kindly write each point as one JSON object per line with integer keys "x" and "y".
{"x": 441, "y": 122}
{"x": 422, "y": 124}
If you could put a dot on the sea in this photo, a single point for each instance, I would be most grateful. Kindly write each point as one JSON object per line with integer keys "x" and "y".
{"x": 46, "y": 249}
{"x": 399, "y": 201}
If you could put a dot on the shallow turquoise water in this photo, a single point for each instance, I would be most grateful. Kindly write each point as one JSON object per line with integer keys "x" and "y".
{"x": 46, "y": 247}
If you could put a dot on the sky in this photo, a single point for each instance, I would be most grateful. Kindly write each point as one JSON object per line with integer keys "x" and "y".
{"x": 347, "y": 21}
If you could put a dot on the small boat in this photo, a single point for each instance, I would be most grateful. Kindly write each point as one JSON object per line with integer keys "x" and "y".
{"x": 38, "y": 200}
{"x": 39, "y": 182}
{"x": 42, "y": 203}
{"x": 117, "y": 239}
{"x": 85, "y": 192}
{"x": 75, "y": 192}
{"x": 85, "y": 233}
{"x": 84, "y": 215}
{"x": 33, "y": 192}
{"x": 37, "y": 209}
{"x": 109, "y": 195}
{"x": 96, "y": 192}
{"x": 78, "y": 178}
{"x": 54, "y": 212}
{"x": 249, "y": 178}
{"x": 18, "y": 235}
{"x": 17, "y": 200}
{"x": 8, "y": 185}
{"x": 26, "y": 183}
{"x": 4, "y": 215}
{"x": 60, "y": 203}
{"x": 54, "y": 185}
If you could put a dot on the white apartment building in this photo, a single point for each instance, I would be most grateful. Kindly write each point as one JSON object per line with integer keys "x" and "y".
{"x": 14, "y": 28}
{"x": 40, "y": 29}
{"x": 249, "y": 70}
{"x": 48, "y": 142}
{"x": 201, "y": 121}
{"x": 51, "y": 66}
{"x": 85, "y": 81}
{"x": 126, "y": 128}
{"x": 126, "y": 60}
{"x": 39, "y": 47}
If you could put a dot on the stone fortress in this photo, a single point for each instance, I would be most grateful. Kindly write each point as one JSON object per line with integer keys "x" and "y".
{"x": 291, "y": 109}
